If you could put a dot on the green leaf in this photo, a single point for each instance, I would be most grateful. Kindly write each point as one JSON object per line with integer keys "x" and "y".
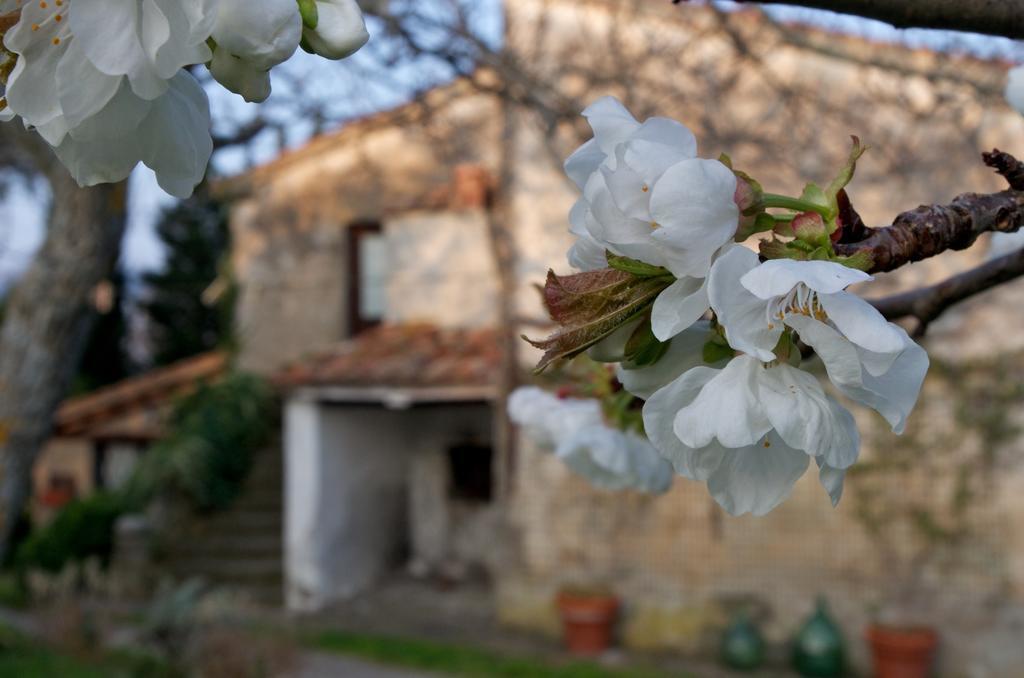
{"x": 862, "y": 260}
{"x": 638, "y": 268}
{"x": 812, "y": 193}
{"x": 775, "y": 249}
{"x": 715, "y": 351}
{"x": 591, "y": 305}
{"x": 846, "y": 171}
{"x": 643, "y": 348}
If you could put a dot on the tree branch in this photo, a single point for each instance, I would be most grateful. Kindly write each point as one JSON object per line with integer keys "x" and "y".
{"x": 993, "y": 17}
{"x": 928, "y": 303}
{"x": 932, "y": 229}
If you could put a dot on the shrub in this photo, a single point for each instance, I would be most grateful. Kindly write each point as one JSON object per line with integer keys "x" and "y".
{"x": 205, "y": 457}
{"x": 82, "y": 529}
{"x": 208, "y": 452}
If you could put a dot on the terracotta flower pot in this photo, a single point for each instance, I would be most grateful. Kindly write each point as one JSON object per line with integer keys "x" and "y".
{"x": 587, "y": 621}
{"x": 902, "y": 652}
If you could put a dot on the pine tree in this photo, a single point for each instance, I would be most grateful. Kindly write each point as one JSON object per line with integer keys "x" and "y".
{"x": 106, "y": 358}
{"x": 180, "y": 323}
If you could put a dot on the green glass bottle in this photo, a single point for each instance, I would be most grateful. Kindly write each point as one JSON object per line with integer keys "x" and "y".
{"x": 818, "y": 650}
{"x": 742, "y": 644}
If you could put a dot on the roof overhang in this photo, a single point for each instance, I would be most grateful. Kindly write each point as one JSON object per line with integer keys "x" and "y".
{"x": 393, "y": 397}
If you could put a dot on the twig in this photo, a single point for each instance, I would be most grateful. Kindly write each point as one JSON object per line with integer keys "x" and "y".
{"x": 993, "y": 17}
{"x": 932, "y": 229}
{"x": 928, "y": 303}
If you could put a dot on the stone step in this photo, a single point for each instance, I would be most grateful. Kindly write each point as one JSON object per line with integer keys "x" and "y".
{"x": 266, "y": 521}
{"x": 254, "y": 570}
{"x": 232, "y": 545}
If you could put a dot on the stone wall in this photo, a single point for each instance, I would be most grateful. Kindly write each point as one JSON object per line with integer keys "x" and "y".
{"x": 290, "y": 218}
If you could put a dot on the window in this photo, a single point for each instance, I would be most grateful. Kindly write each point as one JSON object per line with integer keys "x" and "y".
{"x": 368, "y": 265}
{"x": 471, "y": 472}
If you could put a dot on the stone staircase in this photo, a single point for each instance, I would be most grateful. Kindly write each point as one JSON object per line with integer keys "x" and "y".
{"x": 241, "y": 547}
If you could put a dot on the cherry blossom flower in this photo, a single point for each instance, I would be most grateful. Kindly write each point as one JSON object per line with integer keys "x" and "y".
{"x": 646, "y": 194}
{"x": 340, "y": 29}
{"x": 615, "y": 460}
{"x": 867, "y": 358}
{"x": 103, "y": 81}
{"x": 574, "y": 428}
{"x": 251, "y": 37}
{"x": 748, "y": 430}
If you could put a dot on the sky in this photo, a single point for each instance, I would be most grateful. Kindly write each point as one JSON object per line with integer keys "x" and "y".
{"x": 305, "y": 78}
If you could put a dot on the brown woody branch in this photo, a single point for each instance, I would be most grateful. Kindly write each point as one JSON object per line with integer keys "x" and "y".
{"x": 993, "y": 17}
{"x": 932, "y": 229}
{"x": 955, "y": 226}
{"x": 928, "y": 303}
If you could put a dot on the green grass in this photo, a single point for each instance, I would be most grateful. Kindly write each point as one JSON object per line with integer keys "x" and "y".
{"x": 455, "y": 660}
{"x": 23, "y": 658}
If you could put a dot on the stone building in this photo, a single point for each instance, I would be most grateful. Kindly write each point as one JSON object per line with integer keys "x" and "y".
{"x": 368, "y": 288}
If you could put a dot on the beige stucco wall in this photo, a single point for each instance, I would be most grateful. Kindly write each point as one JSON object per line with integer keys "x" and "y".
{"x": 441, "y": 269}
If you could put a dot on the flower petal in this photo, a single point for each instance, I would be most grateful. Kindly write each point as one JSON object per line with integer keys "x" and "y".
{"x": 727, "y": 409}
{"x": 832, "y": 480}
{"x": 693, "y": 205}
{"x": 658, "y": 144}
{"x": 743, "y": 315}
{"x": 685, "y": 350}
{"x": 755, "y": 479}
{"x": 776, "y": 277}
{"x": 611, "y": 122}
{"x": 659, "y": 413}
{"x": 806, "y": 418}
{"x": 583, "y": 162}
{"x": 861, "y": 322}
{"x": 679, "y": 306}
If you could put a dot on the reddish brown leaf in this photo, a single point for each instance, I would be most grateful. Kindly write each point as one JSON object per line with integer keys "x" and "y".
{"x": 591, "y": 305}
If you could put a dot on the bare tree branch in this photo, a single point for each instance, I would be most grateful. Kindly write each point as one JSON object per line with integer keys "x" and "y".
{"x": 929, "y": 230}
{"x": 928, "y": 303}
{"x": 993, "y": 17}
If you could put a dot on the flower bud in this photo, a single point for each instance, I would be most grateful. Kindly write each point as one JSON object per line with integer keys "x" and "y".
{"x": 340, "y": 30}
{"x": 261, "y": 32}
{"x": 240, "y": 76}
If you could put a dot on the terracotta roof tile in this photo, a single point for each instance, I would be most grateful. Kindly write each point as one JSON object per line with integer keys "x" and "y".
{"x": 414, "y": 356}
{"x": 109, "y": 409}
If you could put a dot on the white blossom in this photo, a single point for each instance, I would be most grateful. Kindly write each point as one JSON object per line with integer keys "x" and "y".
{"x": 575, "y": 429}
{"x": 102, "y": 82}
{"x": 868, "y": 358}
{"x": 264, "y": 33}
{"x": 251, "y": 37}
{"x": 646, "y": 194}
{"x": 748, "y": 430}
{"x": 340, "y": 29}
{"x": 615, "y": 460}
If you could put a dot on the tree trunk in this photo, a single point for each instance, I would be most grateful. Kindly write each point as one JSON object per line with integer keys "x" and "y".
{"x": 503, "y": 252}
{"x": 47, "y": 319}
